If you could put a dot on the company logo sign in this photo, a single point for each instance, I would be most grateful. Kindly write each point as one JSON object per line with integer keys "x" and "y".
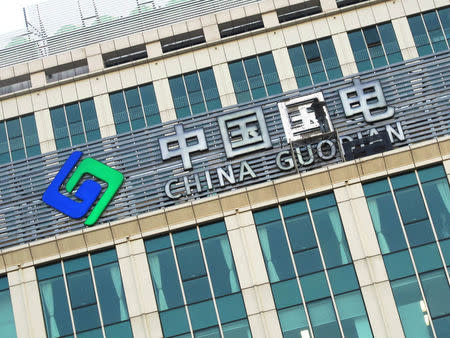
{"x": 89, "y": 190}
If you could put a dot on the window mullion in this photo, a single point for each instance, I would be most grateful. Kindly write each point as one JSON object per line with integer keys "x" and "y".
{"x": 7, "y": 141}
{"x": 246, "y": 77}
{"x": 307, "y": 63}
{"x": 324, "y": 265}
{"x": 422, "y": 293}
{"x": 209, "y": 280}
{"x": 443, "y": 32}
{"x": 142, "y": 104}
{"x": 174, "y": 253}
{"x": 23, "y": 137}
{"x": 382, "y": 44}
{"x": 262, "y": 75}
{"x": 67, "y": 126}
{"x": 96, "y": 296}
{"x": 367, "y": 47}
{"x": 126, "y": 108}
{"x": 82, "y": 122}
{"x": 68, "y": 300}
{"x": 426, "y": 31}
{"x": 296, "y": 272}
{"x": 432, "y": 225}
{"x": 202, "y": 91}
{"x": 322, "y": 60}
{"x": 187, "y": 94}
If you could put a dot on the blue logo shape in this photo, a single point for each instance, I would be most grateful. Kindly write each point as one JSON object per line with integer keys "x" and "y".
{"x": 87, "y": 192}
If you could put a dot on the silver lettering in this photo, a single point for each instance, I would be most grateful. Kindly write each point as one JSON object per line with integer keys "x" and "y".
{"x": 196, "y": 184}
{"x": 284, "y": 160}
{"x": 332, "y": 149}
{"x": 228, "y": 176}
{"x": 168, "y": 190}
{"x": 246, "y": 170}
{"x": 398, "y": 134}
{"x": 300, "y": 156}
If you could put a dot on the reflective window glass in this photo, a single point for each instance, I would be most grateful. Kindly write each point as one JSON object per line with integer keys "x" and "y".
{"x": 7, "y": 325}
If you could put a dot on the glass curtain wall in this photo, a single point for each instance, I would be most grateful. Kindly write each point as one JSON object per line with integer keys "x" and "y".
{"x": 411, "y": 217}
{"x": 315, "y": 62}
{"x": 313, "y": 280}
{"x": 18, "y": 139}
{"x": 75, "y": 124}
{"x": 255, "y": 77}
{"x": 431, "y": 31}
{"x": 7, "y": 325}
{"x": 195, "y": 93}
{"x": 135, "y": 108}
{"x": 196, "y": 284}
{"x": 84, "y": 296}
{"x": 375, "y": 46}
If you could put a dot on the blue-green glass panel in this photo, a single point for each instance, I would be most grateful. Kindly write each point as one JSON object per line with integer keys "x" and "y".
{"x": 308, "y": 261}
{"x": 431, "y": 174}
{"x": 211, "y": 332}
{"x": 343, "y": 279}
{"x": 190, "y": 261}
{"x": 81, "y": 289}
{"x": 209, "y": 86}
{"x": 15, "y": 139}
{"x": 442, "y": 326}
{"x": 276, "y": 252}
{"x": 55, "y": 307}
{"x": 376, "y": 187}
{"x": 390, "y": 43}
{"x": 86, "y": 318}
{"x": 202, "y": 315}
{"x": 322, "y": 201}
{"x": 135, "y": 108}
{"x": 75, "y": 124}
{"x": 398, "y": 265}
{"x": 76, "y": 264}
{"x": 174, "y": 322}
{"x": 120, "y": 330}
{"x": 435, "y": 33}
{"x": 186, "y": 236}
{"x": 239, "y": 329}
{"x": 231, "y": 308}
{"x": 331, "y": 237}
{"x": 419, "y": 233}
{"x": 90, "y": 120}
{"x": 270, "y": 74}
{"x": 359, "y": 51}
{"x": 329, "y": 58}
{"x": 353, "y": 315}
{"x": 49, "y": 271}
{"x": 104, "y": 257}
{"x": 221, "y": 265}
{"x": 7, "y": 326}
{"x": 403, "y": 181}
{"x": 445, "y": 246}
{"x": 323, "y": 318}
{"x": 437, "y": 194}
{"x": 120, "y": 114}
{"x": 150, "y": 104}
{"x": 195, "y": 93}
{"x": 301, "y": 71}
{"x": 97, "y": 333}
{"x": 386, "y": 222}
{"x": 427, "y": 257}
{"x": 197, "y": 290}
{"x": 110, "y": 293}
{"x": 437, "y": 292}
{"x": 214, "y": 229}
{"x": 60, "y": 129}
{"x": 420, "y": 35}
{"x": 165, "y": 279}
{"x": 286, "y": 293}
{"x": 240, "y": 83}
{"x": 255, "y": 78}
{"x": 4, "y": 285}
{"x": 293, "y": 322}
{"x": 315, "y": 286}
{"x": 444, "y": 15}
{"x": 411, "y": 204}
{"x": 408, "y": 300}
{"x": 266, "y": 216}
{"x": 295, "y": 208}
{"x": 301, "y": 233}
{"x": 31, "y": 135}
{"x": 4, "y": 148}
{"x": 158, "y": 243}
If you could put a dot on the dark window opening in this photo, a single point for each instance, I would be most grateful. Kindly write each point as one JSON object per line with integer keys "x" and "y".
{"x": 240, "y": 26}
{"x": 14, "y": 84}
{"x": 343, "y": 3}
{"x": 184, "y": 40}
{"x": 297, "y": 11}
{"x": 67, "y": 70}
{"x": 125, "y": 55}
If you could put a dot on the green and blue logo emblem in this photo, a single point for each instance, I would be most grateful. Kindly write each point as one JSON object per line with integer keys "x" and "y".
{"x": 87, "y": 192}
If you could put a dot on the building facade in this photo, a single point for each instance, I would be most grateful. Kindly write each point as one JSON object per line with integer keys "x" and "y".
{"x": 249, "y": 169}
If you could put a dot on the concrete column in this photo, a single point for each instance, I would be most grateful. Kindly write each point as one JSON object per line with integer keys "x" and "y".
{"x": 224, "y": 85}
{"x": 26, "y": 303}
{"x": 405, "y": 38}
{"x": 284, "y": 69}
{"x": 368, "y": 261}
{"x": 45, "y": 131}
{"x": 165, "y": 101}
{"x": 328, "y": 5}
{"x": 138, "y": 287}
{"x": 252, "y": 275}
{"x": 104, "y": 115}
{"x": 345, "y": 54}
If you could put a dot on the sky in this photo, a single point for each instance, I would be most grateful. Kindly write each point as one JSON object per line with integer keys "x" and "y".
{"x": 11, "y": 14}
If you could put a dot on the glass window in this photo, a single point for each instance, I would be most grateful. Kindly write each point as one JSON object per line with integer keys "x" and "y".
{"x": 134, "y": 108}
{"x": 202, "y": 268}
{"x": 308, "y": 262}
{"x": 315, "y": 62}
{"x": 75, "y": 124}
{"x": 255, "y": 78}
{"x": 431, "y": 31}
{"x": 68, "y": 288}
{"x": 18, "y": 139}
{"x": 195, "y": 93}
{"x": 375, "y": 46}
{"x": 7, "y": 325}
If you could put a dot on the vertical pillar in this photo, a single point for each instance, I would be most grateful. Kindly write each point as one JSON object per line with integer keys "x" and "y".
{"x": 45, "y": 131}
{"x": 405, "y": 38}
